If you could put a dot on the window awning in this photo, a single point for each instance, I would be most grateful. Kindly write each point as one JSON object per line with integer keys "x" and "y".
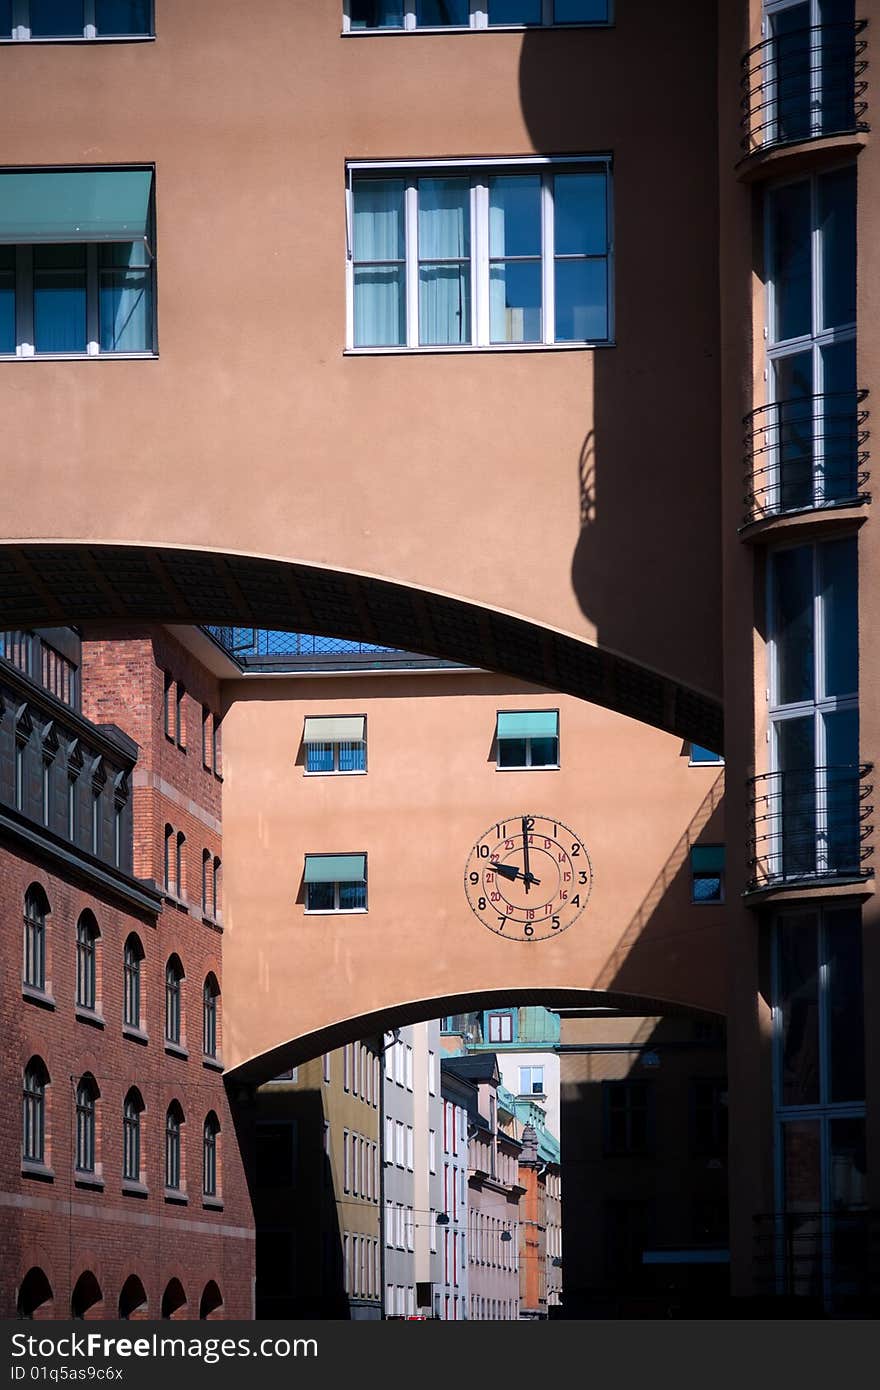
{"x": 707, "y": 859}
{"x": 62, "y": 205}
{"x": 336, "y": 868}
{"x": 342, "y": 729}
{"x": 542, "y": 723}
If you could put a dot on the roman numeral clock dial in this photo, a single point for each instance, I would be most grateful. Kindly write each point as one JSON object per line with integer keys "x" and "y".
{"x": 528, "y": 878}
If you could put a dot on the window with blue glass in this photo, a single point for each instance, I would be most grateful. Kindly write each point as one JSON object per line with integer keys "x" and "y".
{"x": 335, "y": 883}
{"x": 22, "y": 20}
{"x": 336, "y": 743}
{"x": 527, "y": 738}
{"x": 412, "y": 15}
{"x": 482, "y": 255}
{"x": 707, "y": 873}
{"x": 76, "y": 262}
{"x": 700, "y": 757}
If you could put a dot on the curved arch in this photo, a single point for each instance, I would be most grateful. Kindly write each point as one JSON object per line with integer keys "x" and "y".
{"x": 211, "y": 1302}
{"x": 35, "y": 1297}
{"x": 87, "y": 1299}
{"x": 168, "y": 584}
{"x": 174, "y": 1301}
{"x": 133, "y": 1299}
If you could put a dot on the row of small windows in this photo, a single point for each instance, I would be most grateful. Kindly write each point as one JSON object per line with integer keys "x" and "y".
{"x": 523, "y": 739}
{"x": 174, "y": 720}
{"x": 363, "y": 15}
{"x": 174, "y": 872}
{"x": 75, "y": 19}
{"x": 88, "y": 936}
{"x": 36, "y": 1298}
{"x": 33, "y": 1147}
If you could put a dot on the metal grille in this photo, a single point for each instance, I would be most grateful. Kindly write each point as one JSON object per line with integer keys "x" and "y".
{"x": 804, "y": 84}
{"x": 805, "y": 453}
{"x": 811, "y": 823}
{"x": 830, "y": 1257}
{"x": 251, "y": 642}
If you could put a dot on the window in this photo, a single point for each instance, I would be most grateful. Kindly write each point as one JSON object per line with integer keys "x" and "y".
{"x": 709, "y": 1116}
{"x": 206, "y": 882}
{"x": 173, "y": 1146}
{"x": 409, "y": 1147}
{"x": 432, "y": 1151}
{"x": 482, "y": 255}
{"x": 86, "y": 1101}
{"x": 360, "y": 15}
{"x": 809, "y": 78}
{"x": 336, "y": 883}
{"x": 210, "y": 1136}
{"x": 86, "y": 959}
{"x": 699, "y": 757}
{"x": 36, "y": 907}
{"x": 500, "y": 1027}
{"x": 814, "y": 716}
{"x": 628, "y": 1117}
{"x": 337, "y": 744}
{"x": 215, "y": 887}
{"x": 432, "y": 1073}
{"x": 76, "y": 267}
{"x": 173, "y": 979}
{"x": 531, "y": 1081}
{"x": 210, "y": 996}
{"x": 707, "y": 873}
{"x": 399, "y": 1143}
{"x": 527, "y": 738}
{"x": 180, "y": 881}
{"x": 206, "y": 738}
{"x": 179, "y": 719}
{"x": 812, "y": 437}
{"x": 33, "y": 1133}
{"x": 131, "y": 1136}
{"x": 75, "y": 19}
{"x": 168, "y": 870}
{"x": 409, "y": 1067}
{"x": 169, "y": 704}
{"x": 131, "y": 969}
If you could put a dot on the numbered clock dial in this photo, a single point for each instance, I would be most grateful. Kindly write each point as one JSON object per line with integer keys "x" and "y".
{"x": 528, "y": 877}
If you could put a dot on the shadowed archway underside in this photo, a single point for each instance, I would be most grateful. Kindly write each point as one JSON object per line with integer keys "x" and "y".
{"x": 49, "y": 585}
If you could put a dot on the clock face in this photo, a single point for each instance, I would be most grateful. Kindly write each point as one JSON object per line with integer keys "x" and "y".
{"x": 528, "y": 877}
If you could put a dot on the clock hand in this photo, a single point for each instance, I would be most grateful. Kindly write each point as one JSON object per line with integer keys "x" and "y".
{"x": 508, "y": 871}
{"x": 527, "y": 876}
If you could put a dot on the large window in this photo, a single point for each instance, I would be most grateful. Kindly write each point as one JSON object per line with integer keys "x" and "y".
{"x": 87, "y": 935}
{"x": 210, "y": 997}
{"x": 807, "y": 87}
{"x": 173, "y": 1005}
{"x": 531, "y": 1081}
{"x": 76, "y": 262}
{"x": 527, "y": 738}
{"x": 76, "y": 19}
{"x": 628, "y": 1117}
{"x": 33, "y": 1133}
{"x": 336, "y": 883}
{"x": 131, "y": 1135}
{"x": 173, "y": 1146}
{"x": 336, "y": 744}
{"x": 814, "y": 809}
{"x": 479, "y": 255}
{"x": 210, "y": 1136}
{"x": 809, "y": 452}
{"x": 86, "y": 1104}
{"x": 36, "y": 908}
{"x": 131, "y": 970}
{"x": 365, "y": 15}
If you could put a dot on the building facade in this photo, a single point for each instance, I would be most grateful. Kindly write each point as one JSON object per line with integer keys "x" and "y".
{"x": 412, "y": 1191}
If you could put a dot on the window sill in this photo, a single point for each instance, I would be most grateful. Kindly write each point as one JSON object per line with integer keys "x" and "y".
{"x": 83, "y": 1179}
{"x": 176, "y": 1197}
{"x": 212, "y": 1063}
{"x": 136, "y": 1034}
{"x": 213, "y": 922}
{"x": 80, "y": 38}
{"x": 41, "y": 1171}
{"x": 212, "y": 1203}
{"x": 471, "y": 348}
{"x": 89, "y": 1016}
{"x": 336, "y": 772}
{"x": 38, "y": 996}
{"x": 472, "y": 29}
{"x": 174, "y": 900}
{"x": 334, "y": 912}
{"x": 131, "y": 1188}
{"x": 175, "y": 1049}
{"x": 539, "y": 767}
{"x": 80, "y": 356}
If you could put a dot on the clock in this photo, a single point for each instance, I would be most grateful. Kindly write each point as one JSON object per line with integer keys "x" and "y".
{"x": 528, "y": 877}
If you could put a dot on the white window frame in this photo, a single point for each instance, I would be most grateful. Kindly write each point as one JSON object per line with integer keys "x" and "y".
{"x": 432, "y": 1151}
{"x": 479, "y": 170}
{"x": 538, "y": 1067}
{"x": 432, "y": 1073}
{"x": 500, "y": 1015}
{"x": 336, "y": 910}
{"x": 21, "y": 32}
{"x": 410, "y": 1146}
{"x": 336, "y": 744}
{"x": 478, "y": 19}
{"x": 813, "y": 27}
{"x": 409, "y": 1067}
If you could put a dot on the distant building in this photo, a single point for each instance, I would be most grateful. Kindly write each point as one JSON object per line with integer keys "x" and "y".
{"x": 412, "y": 1190}
{"x": 460, "y": 1101}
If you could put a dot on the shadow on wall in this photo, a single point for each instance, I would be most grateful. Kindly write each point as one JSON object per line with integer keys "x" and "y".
{"x": 646, "y": 566}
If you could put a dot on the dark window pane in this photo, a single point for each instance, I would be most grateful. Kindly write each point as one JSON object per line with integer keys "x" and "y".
{"x": 799, "y": 1003}
{"x": 795, "y": 429}
{"x": 837, "y": 220}
{"x": 545, "y": 752}
{"x": 515, "y": 215}
{"x": 123, "y": 16}
{"x": 846, "y": 1005}
{"x": 707, "y": 888}
{"x": 7, "y": 294}
{"x": 375, "y": 14}
{"x": 581, "y": 301}
{"x": 838, "y": 577}
{"x": 442, "y": 12}
{"x": 514, "y": 11}
{"x": 352, "y": 895}
{"x": 580, "y": 215}
{"x": 320, "y": 897}
{"x": 843, "y": 846}
{"x": 848, "y": 1166}
{"x": 839, "y": 423}
{"x": 59, "y": 298}
{"x": 795, "y": 838}
{"x": 790, "y": 264}
{"x": 5, "y": 18}
{"x": 837, "y": 65}
{"x": 56, "y": 18}
{"x": 319, "y": 757}
{"x": 352, "y": 757}
{"x": 511, "y": 752}
{"x": 792, "y": 623}
{"x": 787, "y": 93}
{"x": 580, "y": 11}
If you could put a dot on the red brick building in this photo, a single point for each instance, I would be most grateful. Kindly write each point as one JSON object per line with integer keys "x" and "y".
{"x": 122, "y": 1188}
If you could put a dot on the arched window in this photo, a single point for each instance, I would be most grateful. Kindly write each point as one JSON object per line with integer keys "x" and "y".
{"x": 36, "y": 908}
{"x": 173, "y": 1012}
{"x": 206, "y": 882}
{"x": 86, "y": 1107}
{"x": 35, "y": 1297}
{"x": 133, "y": 1299}
{"x": 209, "y": 1161}
{"x": 87, "y": 1298}
{"x": 174, "y": 1300}
{"x": 210, "y": 996}
{"x": 173, "y": 1137}
{"x": 211, "y": 1305}
{"x": 215, "y": 888}
{"x": 132, "y": 957}
{"x": 180, "y": 875}
{"x": 87, "y": 935}
{"x": 131, "y": 1135}
{"x": 33, "y": 1129}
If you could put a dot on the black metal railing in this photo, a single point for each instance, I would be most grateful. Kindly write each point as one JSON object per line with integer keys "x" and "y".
{"x": 268, "y": 649}
{"x": 804, "y": 84}
{"x": 831, "y": 1258}
{"x": 806, "y": 453}
{"x": 811, "y": 823}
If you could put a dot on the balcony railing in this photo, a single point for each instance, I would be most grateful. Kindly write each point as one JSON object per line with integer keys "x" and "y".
{"x": 829, "y": 1257}
{"x": 811, "y": 824}
{"x": 803, "y": 84}
{"x": 268, "y": 649}
{"x": 806, "y": 453}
